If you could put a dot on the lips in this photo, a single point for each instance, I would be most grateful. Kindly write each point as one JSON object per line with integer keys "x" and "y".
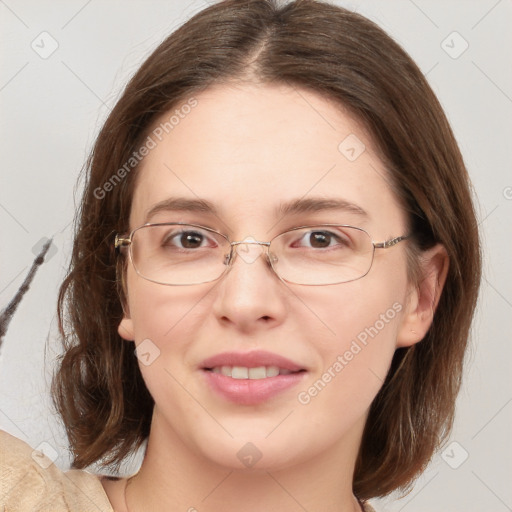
{"x": 252, "y": 359}
{"x": 250, "y": 378}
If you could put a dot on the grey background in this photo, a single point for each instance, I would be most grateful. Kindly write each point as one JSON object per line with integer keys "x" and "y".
{"x": 52, "y": 109}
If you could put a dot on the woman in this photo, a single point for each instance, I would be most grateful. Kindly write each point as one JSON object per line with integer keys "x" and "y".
{"x": 278, "y": 218}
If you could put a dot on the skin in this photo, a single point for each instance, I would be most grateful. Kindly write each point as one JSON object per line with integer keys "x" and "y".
{"x": 246, "y": 148}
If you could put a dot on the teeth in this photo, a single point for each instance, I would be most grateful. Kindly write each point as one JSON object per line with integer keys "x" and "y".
{"x": 273, "y": 371}
{"x": 239, "y": 372}
{"x": 242, "y": 372}
{"x": 259, "y": 372}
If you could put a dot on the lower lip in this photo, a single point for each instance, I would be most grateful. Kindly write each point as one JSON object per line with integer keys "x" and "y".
{"x": 251, "y": 391}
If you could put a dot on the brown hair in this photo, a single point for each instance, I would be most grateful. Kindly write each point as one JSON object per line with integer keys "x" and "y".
{"x": 98, "y": 388}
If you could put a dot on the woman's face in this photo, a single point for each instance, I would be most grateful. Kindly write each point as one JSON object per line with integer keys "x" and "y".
{"x": 249, "y": 150}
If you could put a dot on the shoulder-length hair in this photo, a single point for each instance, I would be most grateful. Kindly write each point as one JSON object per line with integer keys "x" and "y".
{"x": 98, "y": 388}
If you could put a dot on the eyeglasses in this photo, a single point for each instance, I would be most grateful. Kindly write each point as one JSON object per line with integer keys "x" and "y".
{"x": 180, "y": 254}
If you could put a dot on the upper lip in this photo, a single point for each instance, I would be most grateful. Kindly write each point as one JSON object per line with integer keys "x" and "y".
{"x": 251, "y": 359}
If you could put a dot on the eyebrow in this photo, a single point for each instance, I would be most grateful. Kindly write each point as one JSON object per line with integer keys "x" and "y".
{"x": 181, "y": 204}
{"x": 317, "y": 204}
{"x": 294, "y": 207}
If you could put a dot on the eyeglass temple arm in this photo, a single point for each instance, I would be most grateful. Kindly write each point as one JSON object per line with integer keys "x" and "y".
{"x": 390, "y": 243}
{"x": 121, "y": 241}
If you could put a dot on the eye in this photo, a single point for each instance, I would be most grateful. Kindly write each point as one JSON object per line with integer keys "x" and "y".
{"x": 187, "y": 240}
{"x": 322, "y": 239}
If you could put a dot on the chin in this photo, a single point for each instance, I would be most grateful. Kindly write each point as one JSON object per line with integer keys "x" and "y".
{"x": 255, "y": 452}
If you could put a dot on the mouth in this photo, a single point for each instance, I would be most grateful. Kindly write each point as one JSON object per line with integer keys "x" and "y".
{"x": 253, "y": 373}
{"x": 251, "y": 378}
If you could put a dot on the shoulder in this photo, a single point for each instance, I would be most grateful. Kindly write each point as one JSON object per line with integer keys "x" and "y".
{"x": 30, "y": 481}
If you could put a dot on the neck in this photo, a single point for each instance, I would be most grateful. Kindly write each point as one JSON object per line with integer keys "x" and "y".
{"x": 175, "y": 478}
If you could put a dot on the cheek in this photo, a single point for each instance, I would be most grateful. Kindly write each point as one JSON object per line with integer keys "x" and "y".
{"x": 355, "y": 337}
{"x": 165, "y": 321}
{"x": 159, "y": 312}
{"x": 354, "y": 365}
{"x": 360, "y": 310}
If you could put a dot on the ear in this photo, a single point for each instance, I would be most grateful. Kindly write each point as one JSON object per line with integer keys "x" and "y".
{"x": 125, "y": 327}
{"x": 424, "y": 296}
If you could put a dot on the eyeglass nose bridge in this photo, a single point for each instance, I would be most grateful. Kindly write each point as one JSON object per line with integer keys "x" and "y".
{"x": 230, "y": 258}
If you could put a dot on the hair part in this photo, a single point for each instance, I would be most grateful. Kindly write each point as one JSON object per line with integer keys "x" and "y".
{"x": 98, "y": 388}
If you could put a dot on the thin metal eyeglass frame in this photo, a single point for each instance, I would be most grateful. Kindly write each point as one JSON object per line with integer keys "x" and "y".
{"x": 121, "y": 242}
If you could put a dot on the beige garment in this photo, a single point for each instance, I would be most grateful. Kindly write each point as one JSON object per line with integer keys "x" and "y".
{"x": 29, "y": 482}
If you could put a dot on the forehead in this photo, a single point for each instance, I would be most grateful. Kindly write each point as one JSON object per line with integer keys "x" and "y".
{"x": 248, "y": 149}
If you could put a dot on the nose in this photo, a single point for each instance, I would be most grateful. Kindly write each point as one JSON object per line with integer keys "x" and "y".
{"x": 250, "y": 295}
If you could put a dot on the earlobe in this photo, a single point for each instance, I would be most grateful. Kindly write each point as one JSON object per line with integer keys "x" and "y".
{"x": 424, "y": 297}
{"x": 125, "y": 327}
